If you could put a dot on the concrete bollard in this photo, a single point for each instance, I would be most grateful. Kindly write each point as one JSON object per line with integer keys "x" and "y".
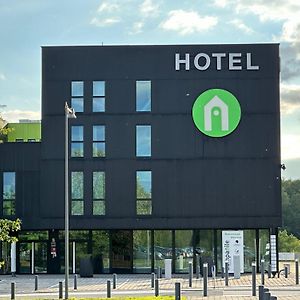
{"x": 75, "y": 281}
{"x": 262, "y": 271}
{"x": 205, "y": 279}
{"x": 253, "y": 279}
{"x": 152, "y": 280}
{"x": 285, "y": 272}
{"x": 12, "y": 290}
{"x": 156, "y": 288}
{"x": 60, "y": 290}
{"x": 297, "y": 271}
{"x": 177, "y": 291}
{"x": 226, "y": 274}
{"x": 36, "y": 282}
{"x": 108, "y": 289}
{"x": 190, "y": 274}
{"x": 114, "y": 281}
{"x": 261, "y": 292}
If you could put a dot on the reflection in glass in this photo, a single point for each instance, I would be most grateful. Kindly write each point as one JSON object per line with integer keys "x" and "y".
{"x": 98, "y": 88}
{"x": 142, "y": 251}
{"x": 264, "y": 246}
{"x": 98, "y": 141}
{"x": 77, "y": 141}
{"x": 98, "y": 96}
{"x": 162, "y": 247}
{"x": 98, "y": 193}
{"x": 77, "y": 104}
{"x": 143, "y": 140}
{"x": 9, "y": 193}
{"x": 249, "y": 249}
{"x": 77, "y": 133}
{"x": 144, "y": 192}
{"x": 100, "y": 240}
{"x": 143, "y": 96}
{"x": 77, "y": 89}
{"x": 77, "y": 206}
{"x": 99, "y": 104}
{"x": 25, "y": 257}
{"x": 183, "y": 250}
{"x": 40, "y": 257}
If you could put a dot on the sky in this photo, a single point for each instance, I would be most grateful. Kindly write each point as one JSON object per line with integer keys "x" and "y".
{"x": 25, "y": 26}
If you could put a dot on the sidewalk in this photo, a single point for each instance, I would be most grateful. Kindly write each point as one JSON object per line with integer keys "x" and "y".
{"x": 238, "y": 289}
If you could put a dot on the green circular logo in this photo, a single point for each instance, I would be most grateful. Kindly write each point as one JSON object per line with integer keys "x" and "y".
{"x": 216, "y": 112}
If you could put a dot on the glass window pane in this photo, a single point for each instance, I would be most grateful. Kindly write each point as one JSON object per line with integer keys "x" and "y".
{"x": 77, "y": 104}
{"x": 162, "y": 247}
{"x": 77, "y": 133}
{"x": 144, "y": 207}
{"x": 98, "y": 208}
{"x": 99, "y": 104}
{"x": 143, "y": 140}
{"x": 183, "y": 250}
{"x": 98, "y": 185}
{"x": 142, "y": 251}
{"x": 77, "y": 185}
{"x": 264, "y": 246}
{"x": 98, "y": 133}
{"x": 77, "y": 208}
{"x": 77, "y": 88}
{"x": 9, "y": 208}
{"x": 9, "y": 185}
{"x": 77, "y": 149}
{"x": 100, "y": 251}
{"x": 249, "y": 249}
{"x": 143, "y": 95}
{"x": 98, "y": 88}
{"x": 98, "y": 149}
{"x": 143, "y": 184}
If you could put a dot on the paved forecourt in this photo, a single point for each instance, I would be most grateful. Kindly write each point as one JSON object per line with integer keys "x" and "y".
{"x": 283, "y": 288}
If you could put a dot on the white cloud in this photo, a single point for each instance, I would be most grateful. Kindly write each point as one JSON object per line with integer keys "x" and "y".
{"x": 188, "y": 22}
{"x": 241, "y": 26}
{"x": 290, "y": 98}
{"x": 108, "y": 7}
{"x": 16, "y": 115}
{"x": 2, "y": 76}
{"x": 290, "y": 145}
{"x": 148, "y": 8}
{"x": 100, "y": 22}
{"x": 137, "y": 28}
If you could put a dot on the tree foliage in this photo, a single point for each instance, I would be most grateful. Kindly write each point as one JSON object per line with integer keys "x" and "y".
{"x": 291, "y": 206}
{"x": 288, "y": 242}
{"x": 8, "y": 228}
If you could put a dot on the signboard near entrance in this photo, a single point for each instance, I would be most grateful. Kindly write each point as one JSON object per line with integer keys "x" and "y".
{"x": 232, "y": 245}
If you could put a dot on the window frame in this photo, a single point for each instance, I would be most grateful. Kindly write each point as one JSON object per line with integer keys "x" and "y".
{"x": 77, "y": 96}
{"x": 76, "y": 200}
{"x": 139, "y": 144}
{"x": 138, "y": 100}
{"x": 145, "y": 200}
{"x": 9, "y": 200}
{"x": 101, "y": 199}
{"x": 75, "y": 141}
{"x": 97, "y": 141}
{"x": 96, "y": 97}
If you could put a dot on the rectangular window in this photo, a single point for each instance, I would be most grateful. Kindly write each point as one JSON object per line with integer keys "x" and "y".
{"x": 98, "y": 96}
{"x": 77, "y": 203}
{"x": 9, "y": 193}
{"x": 77, "y": 92}
{"x": 144, "y": 192}
{"x": 143, "y": 140}
{"x": 77, "y": 141}
{"x": 99, "y": 193}
{"x": 99, "y": 141}
{"x": 143, "y": 96}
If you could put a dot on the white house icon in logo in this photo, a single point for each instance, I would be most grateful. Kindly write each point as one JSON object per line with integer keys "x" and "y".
{"x": 216, "y": 102}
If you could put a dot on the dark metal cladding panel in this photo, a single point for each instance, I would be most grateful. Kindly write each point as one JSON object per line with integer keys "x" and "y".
{"x": 198, "y": 181}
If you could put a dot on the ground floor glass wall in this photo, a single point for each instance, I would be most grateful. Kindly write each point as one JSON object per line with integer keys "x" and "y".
{"x": 130, "y": 251}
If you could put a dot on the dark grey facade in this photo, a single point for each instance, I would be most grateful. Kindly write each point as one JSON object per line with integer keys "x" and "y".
{"x": 198, "y": 182}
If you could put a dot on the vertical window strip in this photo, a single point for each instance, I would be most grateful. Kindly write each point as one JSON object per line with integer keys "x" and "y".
{"x": 99, "y": 193}
{"x": 144, "y": 192}
{"x": 99, "y": 141}
{"x": 143, "y": 140}
{"x": 98, "y": 96}
{"x": 143, "y": 96}
{"x": 77, "y": 96}
{"x": 77, "y": 193}
{"x": 9, "y": 193}
{"x": 77, "y": 139}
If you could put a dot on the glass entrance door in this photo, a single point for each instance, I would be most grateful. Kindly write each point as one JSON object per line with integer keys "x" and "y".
{"x": 121, "y": 251}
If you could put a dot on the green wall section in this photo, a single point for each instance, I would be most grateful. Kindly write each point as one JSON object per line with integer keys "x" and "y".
{"x": 24, "y": 131}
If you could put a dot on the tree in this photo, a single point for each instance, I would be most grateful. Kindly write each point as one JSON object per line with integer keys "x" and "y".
{"x": 291, "y": 206}
{"x": 288, "y": 242}
{"x": 8, "y": 228}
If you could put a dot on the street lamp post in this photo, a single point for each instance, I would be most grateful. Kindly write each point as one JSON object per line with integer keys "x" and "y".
{"x": 69, "y": 113}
